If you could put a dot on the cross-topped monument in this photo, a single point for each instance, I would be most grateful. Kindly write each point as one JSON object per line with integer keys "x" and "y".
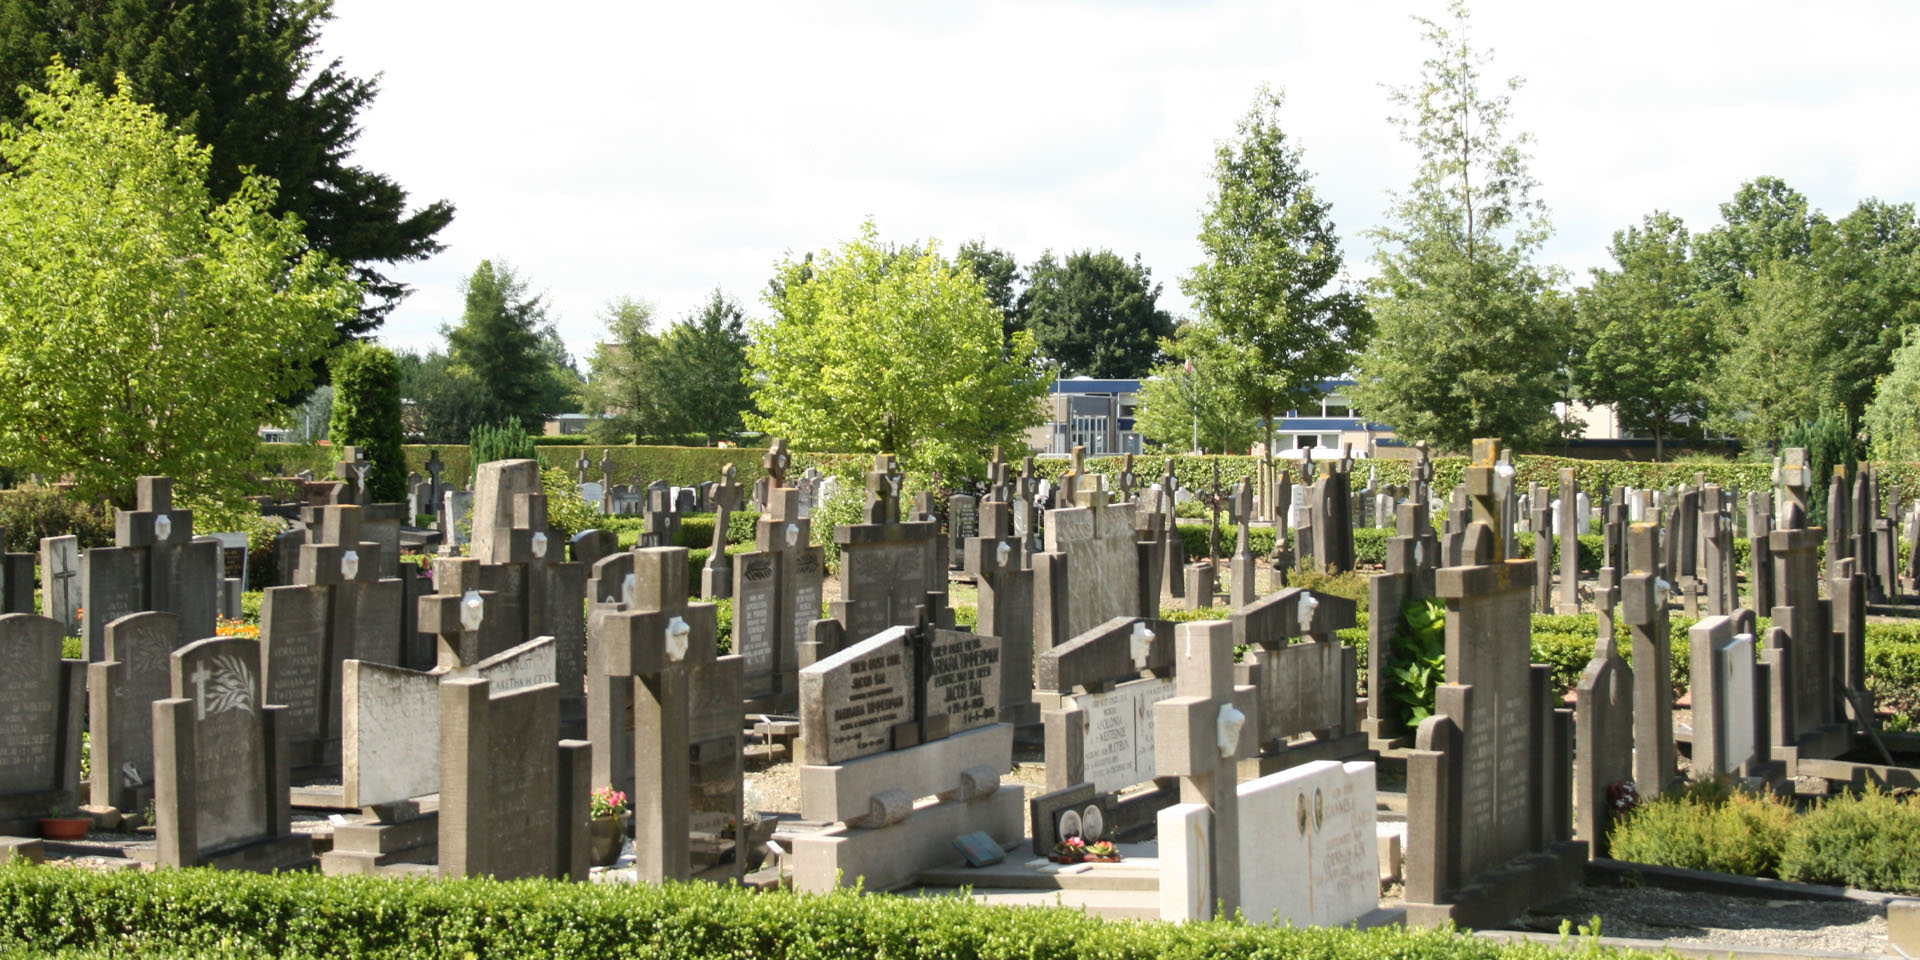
{"x": 892, "y": 572}
{"x": 1089, "y": 572}
{"x": 716, "y": 577}
{"x": 1201, "y": 736}
{"x": 776, "y": 590}
{"x": 154, "y": 564}
{"x": 1005, "y": 604}
{"x": 1241, "y": 589}
{"x": 683, "y": 702}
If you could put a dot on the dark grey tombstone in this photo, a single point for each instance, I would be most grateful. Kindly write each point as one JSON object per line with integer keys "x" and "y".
{"x": 60, "y": 576}
{"x": 589, "y": 546}
{"x": 963, "y": 523}
{"x": 513, "y": 800}
{"x": 40, "y": 725}
{"x": 121, "y": 691}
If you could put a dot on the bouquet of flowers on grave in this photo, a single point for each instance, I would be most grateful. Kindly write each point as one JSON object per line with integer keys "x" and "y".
{"x": 1103, "y": 851}
{"x": 606, "y": 802}
{"x": 1070, "y": 850}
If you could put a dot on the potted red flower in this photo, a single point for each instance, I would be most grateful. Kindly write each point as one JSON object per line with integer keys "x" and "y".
{"x": 1070, "y": 850}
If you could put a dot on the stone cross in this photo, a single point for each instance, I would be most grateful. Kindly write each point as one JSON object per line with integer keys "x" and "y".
{"x": 154, "y": 564}
{"x": 776, "y": 462}
{"x": 716, "y": 578}
{"x": 606, "y": 481}
{"x": 1241, "y": 587}
{"x": 657, "y": 641}
{"x": 457, "y": 613}
{"x": 883, "y": 491}
{"x": 1127, "y": 480}
{"x": 1071, "y": 481}
{"x": 1792, "y": 476}
{"x": 1174, "y": 560}
{"x": 1200, "y": 736}
{"x": 998, "y": 487}
{"x": 1542, "y": 524}
{"x": 434, "y": 466}
{"x": 1569, "y": 536}
{"x": 580, "y": 467}
{"x": 1643, "y": 607}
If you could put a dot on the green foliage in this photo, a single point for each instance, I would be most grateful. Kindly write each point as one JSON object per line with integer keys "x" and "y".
{"x": 366, "y": 414}
{"x": 505, "y": 356}
{"x": 568, "y": 513}
{"x": 1471, "y": 335}
{"x": 247, "y": 79}
{"x": 32, "y": 512}
{"x": 874, "y": 351}
{"x": 1863, "y": 841}
{"x": 231, "y": 914}
{"x": 685, "y": 382}
{"x": 1279, "y": 320}
{"x": 1197, "y": 537}
{"x": 1419, "y": 659}
{"x": 1707, "y": 827}
{"x": 1191, "y": 402}
{"x": 1095, "y": 314}
{"x": 999, "y": 273}
{"x": 1646, "y": 342}
{"x": 1829, "y": 444}
{"x": 843, "y": 507}
{"x": 507, "y": 441}
{"x": 1775, "y": 374}
{"x": 1893, "y": 419}
{"x": 147, "y": 329}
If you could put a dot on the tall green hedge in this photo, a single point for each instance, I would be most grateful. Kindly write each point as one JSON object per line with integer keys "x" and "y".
{"x": 366, "y": 413}
{"x": 204, "y": 912}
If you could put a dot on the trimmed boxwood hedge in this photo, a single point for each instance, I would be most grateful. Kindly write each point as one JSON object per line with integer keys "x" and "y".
{"x": 207, "y": 913}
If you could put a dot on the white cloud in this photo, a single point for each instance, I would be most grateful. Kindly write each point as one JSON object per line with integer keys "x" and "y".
{"x": 661, "y": 150}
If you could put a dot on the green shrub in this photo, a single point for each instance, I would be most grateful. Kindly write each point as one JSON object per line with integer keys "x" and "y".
{"x": 234, "y": 914}
{"x": 1370, "y": 546}
{"x": 696, "y": 530}
{"x": 1708, "y": 827}
{"x": 740, "y": 524}
{"x": 366, "y": 414}
{"x": 1419, "y": 660}
{"x": 506, "y": 441}
{"x": 30, "y": 513}
{"x": 562, "y": 440}
{"x": 1865, "y": 841}
{"x": 1196, "y": 537}
{"x": 568, "y": 512}
{"x": 1183, "y": 615}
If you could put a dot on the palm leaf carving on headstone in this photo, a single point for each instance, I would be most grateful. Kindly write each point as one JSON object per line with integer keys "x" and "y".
{"x": 231, "y": 687}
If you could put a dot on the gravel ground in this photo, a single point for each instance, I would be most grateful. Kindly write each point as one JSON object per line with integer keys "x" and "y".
{"x": 1693, "y": 917}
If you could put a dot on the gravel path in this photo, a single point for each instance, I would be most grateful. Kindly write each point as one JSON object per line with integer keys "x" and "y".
{"x": 1694, "y": 918}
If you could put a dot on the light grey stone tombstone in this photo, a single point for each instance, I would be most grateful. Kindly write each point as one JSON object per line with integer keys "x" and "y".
{"x": 1568, "y": 527}
{"x": 40, "y": 725}
{"x": 592, "y": 492}
{"x": 1603, "y": 742}
{"x": 154, "y": 564}
{"x": 121, "y": 691}
{"x": 1306, "y": 690}
{"x": 495, "y": 486}
{"x": 1728, "y": 727}
{"x": 221, "y": 782}
{"x": 59, "y": 577}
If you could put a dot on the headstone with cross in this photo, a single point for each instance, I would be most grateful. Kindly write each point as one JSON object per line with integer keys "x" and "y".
{"x": 1413, "y": 554}
{"x": 662, "y": 524}
{"x": 434, "y": 468}
{"x": 892, "y": 572}
{"x": 581, "y": 466}
{"x": 1799, "y": 645}
{"x": 351, "y": 471}
{"x": 776, "y": 591}
{"x": 338, "y": 608}
{"x": 40, "y": 724}
{"x": 1643, "y": 607}
{"x": 154, "y": 564}
{"x": 1090, "y": 571}
{"x": 1603, "y": 724}
{"x": 1241, "y": 587}
{"x": 221, "y": 777}
{"x": 606, "y": 482}
{"x": 1542, "y": 526}
{"x": 1173, "y": 558}
{"x": 1200, "y": 736}
{"x": 1307, "y": 707}
{"x": 60, "y": 575}
{"x": 1488, "y": 783}
{"x": 1126, "y": 480}
{"x": 716, "y": 577}
{"x": 1005, "y": 602}
{"x": 670, "y": 735}
{"x": 538, "y": 593}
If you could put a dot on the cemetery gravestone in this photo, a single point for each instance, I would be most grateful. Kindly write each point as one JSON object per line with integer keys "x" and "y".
{"x": 60, "y": 593}
{"x": 121, "y": 691}
{"x": 1729, "y": 718}
{"x": 1004, "y": 602}
{"x": 1317, "y": 821}
{"x": 1200, "y": 736}
{"x": 513, "y": 801}
{"x": 41, "y": 702}
{"x": 154, "y": 564}
{"x": 221, "y": 783}
{"x": 1089, "y": 573}
{"x": 1305, "y": 690}
{"x": 1603, "y": 723}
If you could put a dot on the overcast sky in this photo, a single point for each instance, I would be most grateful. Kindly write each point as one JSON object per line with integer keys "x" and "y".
{"x": 658, "y": 150}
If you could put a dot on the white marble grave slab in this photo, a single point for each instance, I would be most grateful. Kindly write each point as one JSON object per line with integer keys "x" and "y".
{"x": 1736, "y": 691}
{"x": 1186, "y": 868}
{"x": 1118, "y": 741}
{"x": 1310, "y": 846}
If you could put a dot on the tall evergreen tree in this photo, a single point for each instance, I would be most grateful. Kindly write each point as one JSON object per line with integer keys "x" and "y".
{"x": 366, "y": 414}
{"x": 498, "y": 348}
{"x": 242, "y": 77}
{"x": 1471, "y": 338}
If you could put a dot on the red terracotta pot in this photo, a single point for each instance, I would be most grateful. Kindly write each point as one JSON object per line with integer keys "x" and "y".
{"x": 65, "y": 828}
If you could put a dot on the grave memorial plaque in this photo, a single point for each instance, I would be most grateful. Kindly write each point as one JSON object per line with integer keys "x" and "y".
{"x": 1117, "y": 744}
{"x": 154, "y": 564}
{"x": 60, "y": 573}
{"x": 960, "y": 681}
{"x": 858, "y": 696}
{"x": 513, "y": 801}
{"x": 1318, "y": 821}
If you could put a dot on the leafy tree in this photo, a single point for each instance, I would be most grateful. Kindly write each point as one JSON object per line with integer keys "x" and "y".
{"x": 442, "y": 403}
{"x": 366, "y": 414}
{"x": 1869, "y": 264}
{"x": 626, "y": 380}
{"x": 1775, "y": 374}
{"x": 145, "y": 328}
{"x": 1471, "y": 335}
{"x": 1893, "y": 419}
{"x": 872, "y": 352}
{"x": 1278, "y": 320}
{"x": 1095, "y": 314}
{"x": 1189, "y": 401}
{"x": 244, "y": 78}
{"x": 705, "y": 356}
{"x": 1648, "y": 342}
{"x": 1765, "y": 222}
{"x": 1001, "y": 275}
{"x": 503, "y": 349}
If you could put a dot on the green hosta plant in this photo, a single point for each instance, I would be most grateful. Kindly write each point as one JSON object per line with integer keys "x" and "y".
{"x": 1419, "y": 659}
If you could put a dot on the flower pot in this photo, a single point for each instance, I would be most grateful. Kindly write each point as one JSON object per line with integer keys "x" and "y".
{"x": 606, "y": 837}
{"x": 65, "y": 828}
{"x": 1115, "y": 858}
{"x": 1065, "y": 857}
